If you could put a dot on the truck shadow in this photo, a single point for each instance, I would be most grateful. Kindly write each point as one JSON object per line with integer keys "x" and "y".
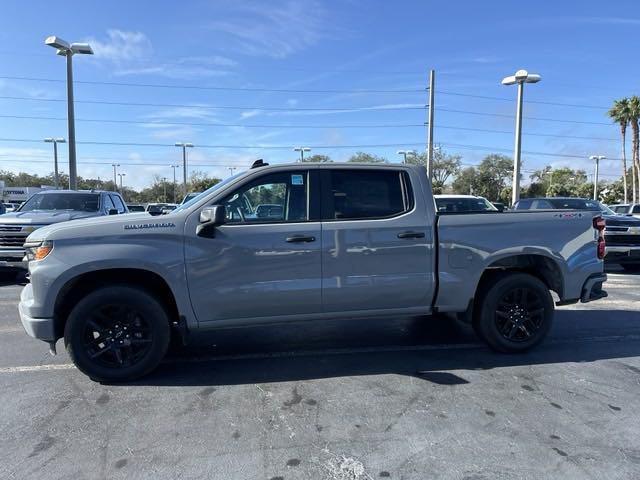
{"x": 437, "y": 350}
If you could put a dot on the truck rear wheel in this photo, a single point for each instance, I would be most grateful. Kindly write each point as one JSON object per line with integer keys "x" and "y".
{"x": 117, "y": 334}
{"x": 516, "y": 313}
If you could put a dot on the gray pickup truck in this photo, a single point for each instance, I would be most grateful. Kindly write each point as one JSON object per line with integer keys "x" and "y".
{"x": 46, "y": 208}
{"x": 348, "y": 241}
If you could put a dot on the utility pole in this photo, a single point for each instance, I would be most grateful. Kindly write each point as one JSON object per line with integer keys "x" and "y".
{"x": 184, "y": 146}
{"x": 597, "y": 158}
{"x": 432, "y": 87}
{"x": 115, "y": 182}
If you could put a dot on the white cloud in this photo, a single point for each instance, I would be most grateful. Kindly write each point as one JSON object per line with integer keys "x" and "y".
{"x": 272, "y": 30}
{"x": 122, "y": 46}
{"x": 249, "y": 114}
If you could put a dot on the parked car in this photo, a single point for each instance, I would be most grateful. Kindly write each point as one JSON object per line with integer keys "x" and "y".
{"x": 3, "y": 208}
{"x": 632, "y": 209}
{"x": 168, "y": 208}
{"x": 10, "y": 207}
{"x": 48, "y": 207}
{"x": 622, "y": 233}
{"x": 190, "y": 196}
{"x": 463, "y": 204}
{"x": 155, "y": 209}
{"x": 367, "y": 242}
{"x": 136, "y": 208}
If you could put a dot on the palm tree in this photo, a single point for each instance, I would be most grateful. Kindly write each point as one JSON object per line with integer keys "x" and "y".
{"x": 619, "y": 113}
{"x": 634, "y": 118}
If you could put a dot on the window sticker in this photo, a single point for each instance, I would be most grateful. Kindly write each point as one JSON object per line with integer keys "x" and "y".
{"x": 297, "y": 180}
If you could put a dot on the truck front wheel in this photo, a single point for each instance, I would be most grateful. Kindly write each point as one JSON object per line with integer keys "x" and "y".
{"x": 117, "y": 333}
{"x": 515, "y": 313}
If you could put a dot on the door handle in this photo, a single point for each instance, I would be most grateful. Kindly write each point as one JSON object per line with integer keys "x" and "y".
{"x": 300, "y": 239}
{"x": 411, "y": 235}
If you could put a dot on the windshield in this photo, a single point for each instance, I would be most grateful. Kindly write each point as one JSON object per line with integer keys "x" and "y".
{"x": 464, "y": 204}
{"x": 197, "y": 198}
{"x": 80, "y": 202}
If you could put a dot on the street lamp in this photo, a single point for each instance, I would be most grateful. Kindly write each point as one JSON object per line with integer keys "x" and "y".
{"x": 597, "y": 158}
{"x": 231, "y": 170}
{"x": 174, "y": 181}
{"x": 55, "y": 142}
{"x": 115, "y": 183}
{"x": 184, "y": 146}
{"x": 302, "y": 150}
{"x": 520, "y": 78}
{"x": 164, "y": 184}
{"x": 68, "y": 50}
{"x": 121, "y": 175}
{"x": 404, "y": 153}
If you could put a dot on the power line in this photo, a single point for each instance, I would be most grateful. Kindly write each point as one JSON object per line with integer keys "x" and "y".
{"x": 506, "y": 99}
{"x": 504, "y": 115}
{"x": 319, "y": 147}
{"x": 212, "y": 124}
{"x": 224, "y": 107}
{"x": 224, "y": 89}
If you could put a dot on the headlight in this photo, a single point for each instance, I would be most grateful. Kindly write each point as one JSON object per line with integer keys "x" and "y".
{"x": 38, "y": 251}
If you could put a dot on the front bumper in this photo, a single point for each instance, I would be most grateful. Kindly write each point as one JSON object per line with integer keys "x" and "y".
{"x": 40, "y": 328}
{"x": 592, "y": 288}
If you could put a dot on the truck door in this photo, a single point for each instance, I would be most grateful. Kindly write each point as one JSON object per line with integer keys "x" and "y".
{"x": 265, "y": 261}
{"x": 377, "y": 245}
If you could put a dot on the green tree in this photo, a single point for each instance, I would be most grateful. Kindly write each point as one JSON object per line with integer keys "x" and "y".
{"x": 362, "y": 157}
{"x": 621, "y": 114}
{"x": 466, "y": 182}
{"x": 318, "y": 159}
{"x": 200, "y": 181}
{"x": 444, "y": 167}
{"x": 493, "y": 175}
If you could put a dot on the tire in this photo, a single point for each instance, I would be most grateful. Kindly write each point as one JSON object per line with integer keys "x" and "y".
{"x": 117, "y": 334}
{"x": 630, "y": 267}
{"x": 515, "y": 312}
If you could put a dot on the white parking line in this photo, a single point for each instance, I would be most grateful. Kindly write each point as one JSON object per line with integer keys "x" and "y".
{"x": 37, "y": 368}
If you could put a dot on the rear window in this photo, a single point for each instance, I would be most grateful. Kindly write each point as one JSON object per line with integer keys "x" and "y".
{"x": 464, "y": 205}
{"x": 81, "y": 202}
{"x": 574, "y": 204}
{"x": 362, "y": 194}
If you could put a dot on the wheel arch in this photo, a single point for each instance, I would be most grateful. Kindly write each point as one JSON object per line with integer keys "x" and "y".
{"x": 81, "y": 285}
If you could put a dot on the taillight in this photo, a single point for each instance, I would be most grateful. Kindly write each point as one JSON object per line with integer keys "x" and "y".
{"x": 599, "y": 225}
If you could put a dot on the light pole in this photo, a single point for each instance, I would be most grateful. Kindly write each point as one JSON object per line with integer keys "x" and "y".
{"x": 184, "y": 146}
{"x": 121, "y": 175}
{"x": 302, "y": 150}
{"x": 115, "y": 183}
{"x": 597, "y": 158}
{"x": 174, "y": 181}
{"x": 55, "y": 142}
{"x": 404, "y": 154}
{"x": 550, "y": 173}
{"x": 520, "y": 78}
{"x": 68, "y": 50}
{"x": 231, "y": 170}
{"x": 164, "y": 184}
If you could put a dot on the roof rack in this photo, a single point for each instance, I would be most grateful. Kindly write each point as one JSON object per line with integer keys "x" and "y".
{"x": 259, "y": 163}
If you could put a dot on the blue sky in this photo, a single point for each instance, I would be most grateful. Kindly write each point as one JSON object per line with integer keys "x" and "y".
{"x": 339, "y": 57}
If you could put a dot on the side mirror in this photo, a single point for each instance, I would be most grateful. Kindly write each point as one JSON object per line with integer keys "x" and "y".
{"x": 210, "y": 218}
{"x": 113, "y": 211}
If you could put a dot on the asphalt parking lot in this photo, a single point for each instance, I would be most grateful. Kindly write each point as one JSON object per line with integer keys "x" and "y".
{"x": 410, "y": 398}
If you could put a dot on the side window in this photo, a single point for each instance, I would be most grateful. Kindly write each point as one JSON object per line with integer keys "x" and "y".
{"x": 541, "y": 205}
{"x": 118, "y": 203}
{"x": 108, "y": 203}
{"x": 523, "y": 205}
{"x": 362, "y": 194}
{"x": 277, "y": 197}
{"x": 636, "y": 209}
